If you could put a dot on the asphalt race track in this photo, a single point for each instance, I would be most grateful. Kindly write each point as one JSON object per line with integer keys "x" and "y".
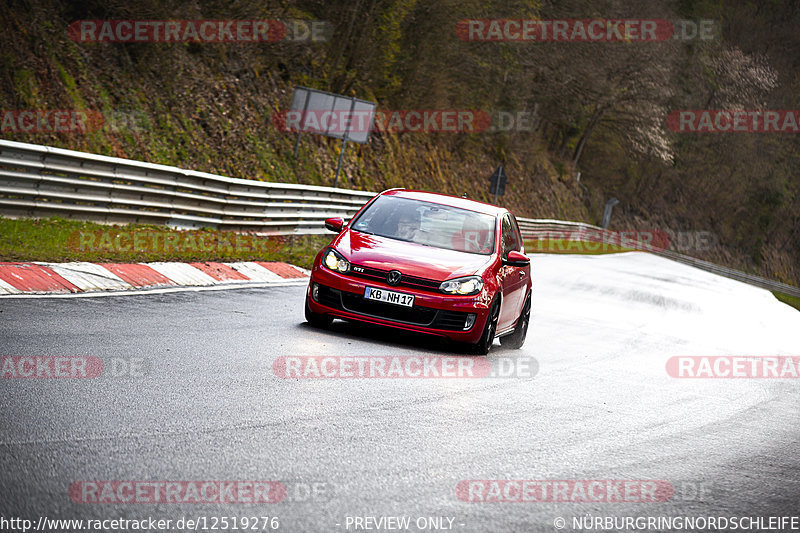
{"x": 206, "y": 405}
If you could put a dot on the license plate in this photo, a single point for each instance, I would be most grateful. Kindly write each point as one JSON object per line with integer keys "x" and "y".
{"x": 382, "y": 295}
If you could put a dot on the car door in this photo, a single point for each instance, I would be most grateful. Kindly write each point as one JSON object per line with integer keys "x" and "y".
{"x": 513, "y": 280}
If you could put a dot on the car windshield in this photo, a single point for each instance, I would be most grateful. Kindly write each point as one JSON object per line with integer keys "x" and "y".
{"x": 429, "y": 224}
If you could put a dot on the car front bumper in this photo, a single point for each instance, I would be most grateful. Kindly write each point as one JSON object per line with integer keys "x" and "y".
{"x": 342, "y": 296}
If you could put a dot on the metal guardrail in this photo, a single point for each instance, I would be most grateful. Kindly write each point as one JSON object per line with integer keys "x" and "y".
{"x": 533, "y": 229}
{"x": 733, "y": 274}
{"x": 38, "y": 181}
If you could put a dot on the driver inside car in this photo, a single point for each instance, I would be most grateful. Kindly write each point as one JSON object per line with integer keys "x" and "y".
{"x": 408, "y": 226}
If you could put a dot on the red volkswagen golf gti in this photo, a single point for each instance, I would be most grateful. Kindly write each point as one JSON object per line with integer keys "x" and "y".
{"x": 429, "y": 263}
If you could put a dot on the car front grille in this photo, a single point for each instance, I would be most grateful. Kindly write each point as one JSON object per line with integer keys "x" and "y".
{"x": 376, "y": 274}
{"x": 356, "y": 303}
{"x": 417, "y": 315}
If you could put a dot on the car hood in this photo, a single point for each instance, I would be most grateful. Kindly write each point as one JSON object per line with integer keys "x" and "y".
{"x": 409, "y": 258}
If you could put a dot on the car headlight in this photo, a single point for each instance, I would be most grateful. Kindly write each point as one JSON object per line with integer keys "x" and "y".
{"x": 335, "y": 261}
{"x": 466, "y": 286}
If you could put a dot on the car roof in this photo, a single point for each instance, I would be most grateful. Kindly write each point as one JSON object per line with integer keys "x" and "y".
{"x": 446, "y": 199}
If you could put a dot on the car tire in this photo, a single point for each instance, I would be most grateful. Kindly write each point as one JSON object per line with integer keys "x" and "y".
{"x": 517, "y": 339}
{"x": 483, "y": 346}
{"x": 317, "y": 320}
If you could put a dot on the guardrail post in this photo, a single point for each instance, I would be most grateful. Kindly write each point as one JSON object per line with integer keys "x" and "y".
{"x": 607, "y": 212}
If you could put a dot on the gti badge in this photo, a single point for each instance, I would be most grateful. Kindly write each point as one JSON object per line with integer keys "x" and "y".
{"x": 393, "y": 277}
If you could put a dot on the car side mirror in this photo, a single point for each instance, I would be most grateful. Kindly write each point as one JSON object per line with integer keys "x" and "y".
{"x": 334, "y": 224}
{"x": 516, "y": 259}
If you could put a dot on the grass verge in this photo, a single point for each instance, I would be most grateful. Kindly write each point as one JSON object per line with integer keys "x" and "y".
{"x": 60, "y": 240}
{"x": 794, "y": 301}
{"x": 564, "y": 246}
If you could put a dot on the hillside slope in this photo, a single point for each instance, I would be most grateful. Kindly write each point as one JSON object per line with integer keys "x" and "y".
{"x": 210, "y": 107}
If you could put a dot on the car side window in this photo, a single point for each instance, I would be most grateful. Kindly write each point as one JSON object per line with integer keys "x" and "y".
{"x": 517, "y": 234}
{"x": 507, "y": 235}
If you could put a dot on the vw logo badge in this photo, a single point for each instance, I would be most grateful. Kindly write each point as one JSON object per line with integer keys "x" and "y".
{"x": 393, "y": 278}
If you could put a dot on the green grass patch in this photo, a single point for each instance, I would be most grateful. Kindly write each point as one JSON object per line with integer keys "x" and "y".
{"x": 794, "y": 301}
{"x": 60, "y": 240}
{"x": 566, "y": 246}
